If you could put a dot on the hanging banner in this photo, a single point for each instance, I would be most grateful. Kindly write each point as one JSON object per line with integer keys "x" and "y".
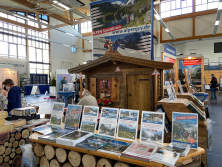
{"x": 170, "y": 60}
{"x": 123, "y": 24}
{"x": 170, "y": 50}
{"x": 191, "y": 62}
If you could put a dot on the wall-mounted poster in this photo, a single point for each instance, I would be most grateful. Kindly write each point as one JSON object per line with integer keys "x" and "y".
{"x": 63, "y": 79}
{"x": 124, "y": 23}
{"x": 194, "y": 68}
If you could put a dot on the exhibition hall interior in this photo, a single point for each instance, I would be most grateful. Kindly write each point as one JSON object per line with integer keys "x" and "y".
{"x": 110, "y": 83}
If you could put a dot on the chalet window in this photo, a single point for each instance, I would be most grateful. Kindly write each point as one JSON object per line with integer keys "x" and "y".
{"x": 105, "y": 88}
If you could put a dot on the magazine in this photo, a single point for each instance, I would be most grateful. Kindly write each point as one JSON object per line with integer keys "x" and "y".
{"x": 108, "y": 121}
{"x": 89, "y": 119}
{"x": 182, "y": 149}
{"x": 185, "y": 129}
{"x": 160, "y": 108}
{"x": 166, "y": 157}
{"x": 128, "y": 124}
{"x": 115, "y": 147}
{"x": 57, "y": 114}
{"x": 51, "y": 137}
{"x": 140, "y": 151}
{"x": 45, "y": 129}
{"x": 195, "y": 109}
{"x": 152, "y": 127}
{"x": 180, "y": 86}
{"x": 94, "y": 142}
{"x": 73, "y": 115}
{"x": 73, "y": 138}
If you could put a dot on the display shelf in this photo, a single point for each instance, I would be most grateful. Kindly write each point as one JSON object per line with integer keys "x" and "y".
{"x": 182, "y": 160}
{"x": 180, "y": 105}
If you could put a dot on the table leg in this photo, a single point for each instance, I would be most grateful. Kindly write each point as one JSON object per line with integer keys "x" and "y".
{"x": 65, "y": 101}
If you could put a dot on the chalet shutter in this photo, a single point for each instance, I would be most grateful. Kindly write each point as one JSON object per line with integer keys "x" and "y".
{"x": 115, "y": 89}
{"x": 93, "y": 86}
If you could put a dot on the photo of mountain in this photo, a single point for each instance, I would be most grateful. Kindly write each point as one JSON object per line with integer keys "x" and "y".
{"x": 107, "y": 129}
{"x": 152, "y": 135}
{"x": 58, "y": 106}
{"x": 56, "y": 120}
{"x": 92, "y": 111}
{"x": 127, "y": 131}
{"x": 88, "y": 126}
{"x": 73, "y": 115}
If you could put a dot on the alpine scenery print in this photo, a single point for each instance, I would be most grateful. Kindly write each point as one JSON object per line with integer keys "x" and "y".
{"x": 73, "y": 115}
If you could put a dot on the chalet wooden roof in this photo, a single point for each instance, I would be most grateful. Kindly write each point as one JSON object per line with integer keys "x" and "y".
{"x": 125, "y": 59}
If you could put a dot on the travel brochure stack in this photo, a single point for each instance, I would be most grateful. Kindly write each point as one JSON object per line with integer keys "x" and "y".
{"x": 125, "y": 122}
{"x": 195, "y": 109}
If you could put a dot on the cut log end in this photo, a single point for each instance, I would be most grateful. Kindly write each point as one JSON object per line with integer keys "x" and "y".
{"x": 74, "y": 158}
{"x": 67, "y": 165}
{"x": 49, "y": 152}
{"x": 44, "y": 162}
{"x": 55, "y": 163}
{"x": 25, "y": 133}
{"x": 104, "y": 162}
{"x": 121, "y": 164}
{"x": 89, "y": 160}
{"x": 61, "y": 155}
{"x": 38, "y": 149}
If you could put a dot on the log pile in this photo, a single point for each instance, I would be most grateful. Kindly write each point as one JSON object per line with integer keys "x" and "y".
{"x": 48, "y": 156}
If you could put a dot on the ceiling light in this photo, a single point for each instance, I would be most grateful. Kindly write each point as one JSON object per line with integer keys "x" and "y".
{"x": 167, "y": 30}
{"x": 61, "y": 5}
{"x": 157, "y": 16}
{"x": 66, "y": 45}
{"x": 216, "y": 23}
{"x": 220, "y": 6}
{"x": 189, "y": 57}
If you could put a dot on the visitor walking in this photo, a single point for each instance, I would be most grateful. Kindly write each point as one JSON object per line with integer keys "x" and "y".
{"x": 77, "y": 89}
{"x": 213, "y": 88}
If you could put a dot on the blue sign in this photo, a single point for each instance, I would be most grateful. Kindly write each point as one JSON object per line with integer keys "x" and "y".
{"x": 170, "y": 50}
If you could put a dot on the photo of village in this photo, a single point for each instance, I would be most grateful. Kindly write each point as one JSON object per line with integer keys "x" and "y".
{"x": 107, "y": 129}
{"x": 73, "y": 116}
{"x": 56, "y": 120}
{"x": 91, "y": 111}
{"x": 58, "y": 106}
{"x": 108, "y": 112}
{"x": 128, "y": 114}
{"x": 127, "y": 131}
{"x": 153, "y": 117}
{"x": 88, "y": 126}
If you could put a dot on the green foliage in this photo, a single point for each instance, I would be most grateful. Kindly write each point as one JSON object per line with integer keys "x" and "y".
{"x": 53, "y": 81}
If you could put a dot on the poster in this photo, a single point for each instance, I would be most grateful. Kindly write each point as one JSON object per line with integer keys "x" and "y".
{"x": 60, "y": 77}
{"x": 73, "y": 115}
{"x": 152, "y": 127}
{"x": 194, "y": 68}
{"x": 128, "y": 124}
{"x": 169, "y": 75}
{"x": 57, "y": 114}
{"x": 108, "y": 121}
{"x": 124, "y": 23}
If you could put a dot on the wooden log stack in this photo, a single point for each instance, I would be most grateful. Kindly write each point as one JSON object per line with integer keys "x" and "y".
{"x": 48, "y": 156}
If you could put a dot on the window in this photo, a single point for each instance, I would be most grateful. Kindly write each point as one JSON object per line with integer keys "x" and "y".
{"x": 202, "y": 5}
{"x": 105, "y": 89}
{"x": 86, "y": 27}
{"x": 170, "y": 8}
{"x": 76, "y": 27}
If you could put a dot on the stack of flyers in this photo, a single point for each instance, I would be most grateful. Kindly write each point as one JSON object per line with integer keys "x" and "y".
{"x": 108, "y": 121}
{"x": 51, "y": 137}
{"x": 182, "y": 149}
{"x": 45, "y": 129}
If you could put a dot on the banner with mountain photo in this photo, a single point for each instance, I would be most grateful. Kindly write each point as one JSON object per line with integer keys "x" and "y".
{"x": 123, "y": 24}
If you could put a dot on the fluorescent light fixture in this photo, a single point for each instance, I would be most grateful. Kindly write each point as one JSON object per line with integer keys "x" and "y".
{"x": 220, "y": 6}
{"x": 157, "y": 17}
{"x": 61, "y": 5}
{"x": 216, "y": 22}
{"x": 71, "y": 34}
{"x": 189, "y": 57}
{"x": 66, "y": 45}
{"x": 167, "y": 30}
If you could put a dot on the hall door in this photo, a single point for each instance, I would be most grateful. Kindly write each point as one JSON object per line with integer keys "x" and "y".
{"x": 139, "y": 95}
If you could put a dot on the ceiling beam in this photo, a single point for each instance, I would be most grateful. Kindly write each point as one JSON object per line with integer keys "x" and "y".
{"x": 42, "y": 11}
{"x": 213, "y": 11}
{"x": 19, "y": 24}
{"x": 191, "y": 38}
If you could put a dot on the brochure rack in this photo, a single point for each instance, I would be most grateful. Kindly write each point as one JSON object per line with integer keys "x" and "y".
{"x": 179, "y": 105}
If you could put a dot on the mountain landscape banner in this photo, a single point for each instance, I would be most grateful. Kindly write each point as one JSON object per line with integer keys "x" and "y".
{"x": 124, "y": 23}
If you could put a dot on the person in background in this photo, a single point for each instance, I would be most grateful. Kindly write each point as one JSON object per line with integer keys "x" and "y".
{"x": 88, "y": 99}
{"x": 3, "y": 101}
{"x": 212, "y": 75}
{"x": 83, "y": 84}
{"x": 213, "y": 88}
{"x": 14, "y": 95}
{"x": 63, "y": 81}
{"x": 77, "y": 89}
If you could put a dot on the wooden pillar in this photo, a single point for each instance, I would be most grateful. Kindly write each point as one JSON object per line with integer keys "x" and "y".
{"x": 80, "y": 87}
{"x": 155, "y": 90}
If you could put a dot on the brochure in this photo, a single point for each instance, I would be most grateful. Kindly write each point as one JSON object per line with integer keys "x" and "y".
{"x": 45, "y": 129}
{"x": 57, "y": 114}
{"x": 168, "y": 125}
{"x": 73, "y": 138}
{"x": 51, "y": 137}
{"x": 89, "y": 119}
{"x": 73, "y": 115}
{"x": 166, "y": 157}
{"x": 108, "y": 121}
{"x": 115, "y": 147}
{"x": 65, "y": 88}
{"x": 169, "y": 90}
{"x": 173, "y": 89}
{"x": 182, "y": 149}
{"x": 128, "y": 124}
{"x": 185, "y": 129}
{"x": 94, "y": 142}
{"x": 195, "y": 109}
{"x": 180, "y": 86}
{"x": 152, "y": 127}
{"x": 140, "y": 151}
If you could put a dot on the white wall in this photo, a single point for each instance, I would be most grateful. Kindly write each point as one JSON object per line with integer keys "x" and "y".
{"x": 204, "y": 47}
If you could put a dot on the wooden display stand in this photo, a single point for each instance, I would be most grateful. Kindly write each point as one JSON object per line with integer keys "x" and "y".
{"x": 127, "y": 81}
{"x": 179, "y": 105}
{"x": 62, "y": 156}
{"x": 187, "y": 96}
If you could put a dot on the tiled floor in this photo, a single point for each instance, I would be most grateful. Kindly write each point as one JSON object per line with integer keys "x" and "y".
{"x": 214, "y": 157}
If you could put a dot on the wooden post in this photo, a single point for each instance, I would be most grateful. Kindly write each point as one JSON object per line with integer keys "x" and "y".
{"x": 155, "y": 90}
{"x": 80, "y": 88}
